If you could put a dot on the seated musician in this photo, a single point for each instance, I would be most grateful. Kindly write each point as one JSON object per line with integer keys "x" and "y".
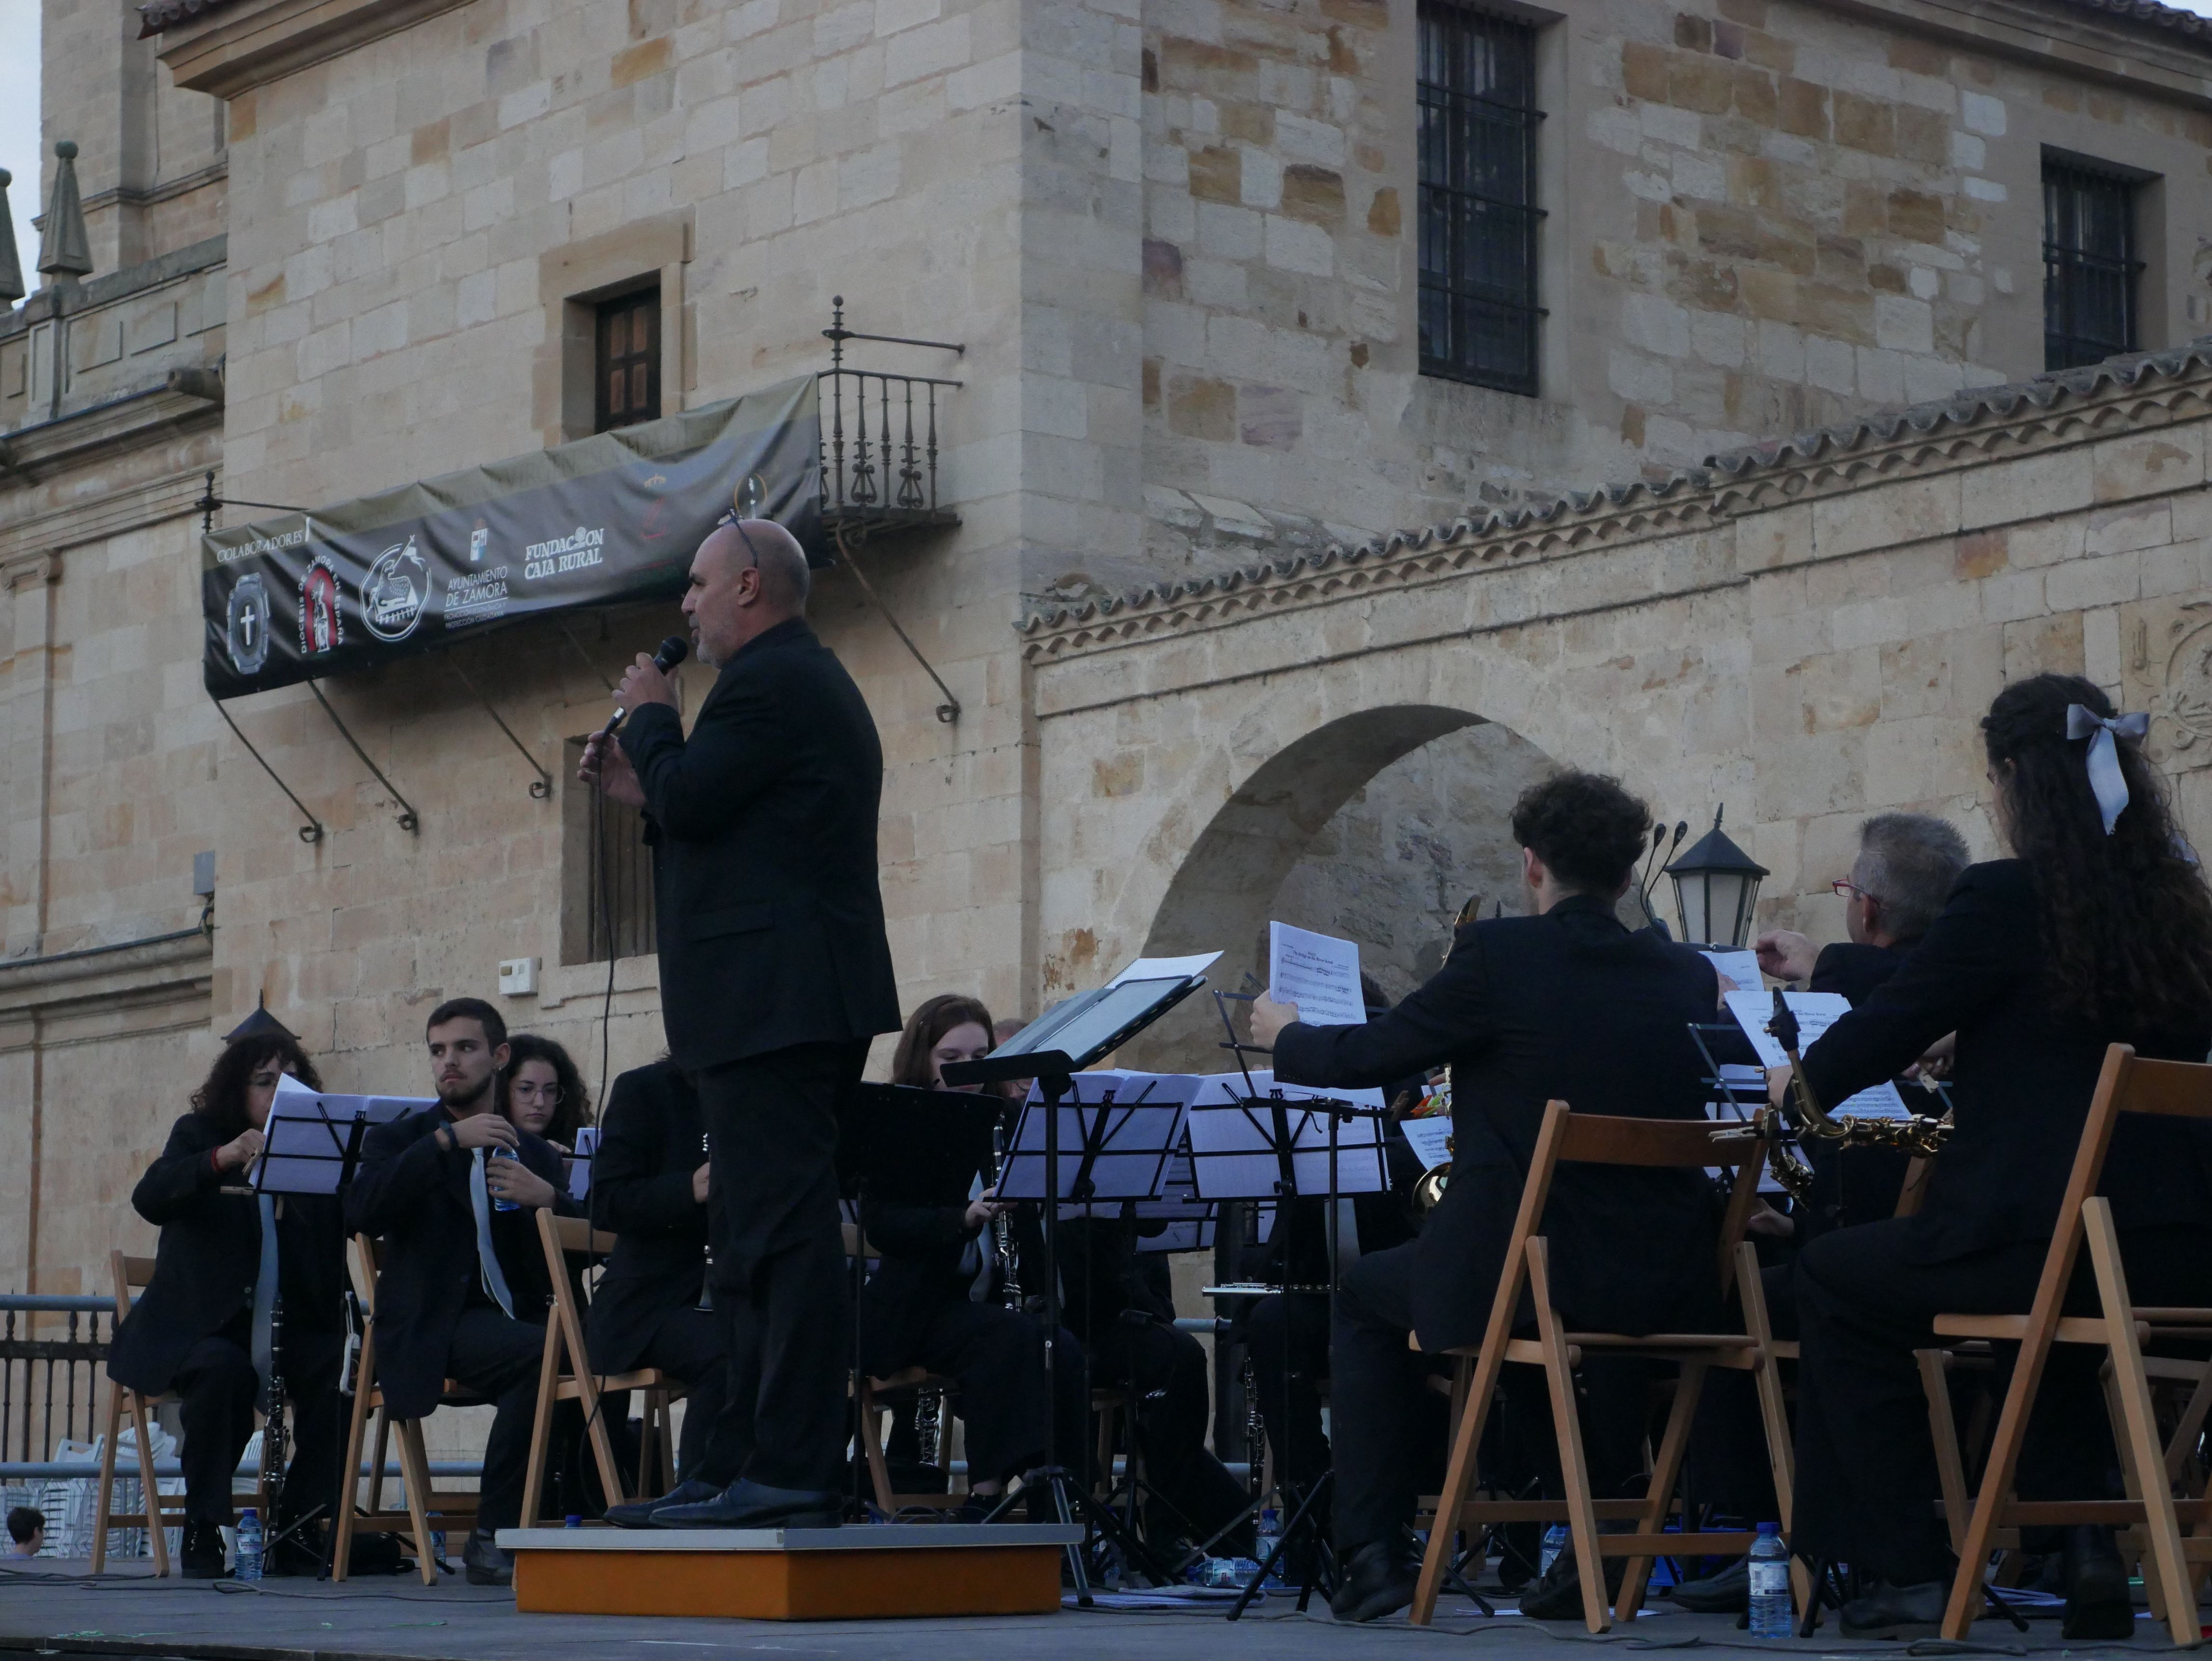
{"x": 934, "y": 1299}
{"x": 2100, "y": 930}
{"x": 206, "y": 1327}
{"x": 1563, "y": 1003}
{"x": 541, "y": 1092}
{"x": 649, "y": 1188}
{"x": 463, "y": 1294}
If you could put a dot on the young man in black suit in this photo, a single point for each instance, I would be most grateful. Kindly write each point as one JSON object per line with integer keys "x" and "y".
{"x": 1563, "y": 1003}
{"x": 214, "y": 1327}
{"x": 649, "y": 1186}
{"x": 463, "y": 1294}
{"x": 775, "y": 974}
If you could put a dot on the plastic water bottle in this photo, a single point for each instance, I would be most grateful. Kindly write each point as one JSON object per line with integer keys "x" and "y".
{"x": 1270, "y": 1536}
{"x": 1771, "y": 1616}
{"x": 574, "y": 1520}
{"x": 436, "y": 1521}
{"x": 498, "y": 1204}
{"x": 1555, "y": 1542}
{"x": 248, "y": 1565}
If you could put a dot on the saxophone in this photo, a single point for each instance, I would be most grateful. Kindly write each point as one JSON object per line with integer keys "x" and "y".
{"x": 1919, "y": 1135}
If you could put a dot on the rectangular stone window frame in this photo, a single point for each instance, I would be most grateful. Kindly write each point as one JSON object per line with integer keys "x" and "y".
{"x": 2096, "y": 256}
{"x": 1451, "y": 123}
{"x": 572, "y": 280}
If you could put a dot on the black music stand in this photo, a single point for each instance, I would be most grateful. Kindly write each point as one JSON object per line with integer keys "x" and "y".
{"x": 1052, "y": 1050}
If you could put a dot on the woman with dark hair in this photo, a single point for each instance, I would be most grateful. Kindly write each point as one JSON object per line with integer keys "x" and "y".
{"x": 541, "y": 1092}
{"x": 2098, "y": 931}
{"x": 933, "y": 1300}
{"x": 203, "y": 1328}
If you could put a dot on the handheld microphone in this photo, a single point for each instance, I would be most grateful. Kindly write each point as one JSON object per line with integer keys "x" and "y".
{"x": 673, "y": 651}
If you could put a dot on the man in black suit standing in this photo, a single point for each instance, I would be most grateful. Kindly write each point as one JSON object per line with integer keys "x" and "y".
{"x": 775, "y": 974}
{"x": 649, "y": 1185}
{"x": 1566, "y": 1003}
{"x": 463, "y": 1291}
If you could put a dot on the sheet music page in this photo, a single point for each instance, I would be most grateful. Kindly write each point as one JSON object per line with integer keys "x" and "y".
{"x": 1319, "y": 973}
{"x": 1427, "y": 1138}
{"x": 303, "y": 1149}
{"x": 1166, "y": 969}
{"x": 1742, "y": 967}
{"x": 1816, "y": 1013}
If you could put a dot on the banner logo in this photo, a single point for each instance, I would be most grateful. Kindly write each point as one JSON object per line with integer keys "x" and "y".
{"x": 248, "y": 631}
{"x": 394, "y": 593}
{"x": 580, "y": 548}
{"x": 322, "y": 622}
{"x": 479, "y": 539}
{"x": 478, "y": 597}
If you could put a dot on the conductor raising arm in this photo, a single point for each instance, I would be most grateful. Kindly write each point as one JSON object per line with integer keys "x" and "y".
{"x": 775, "y": 974}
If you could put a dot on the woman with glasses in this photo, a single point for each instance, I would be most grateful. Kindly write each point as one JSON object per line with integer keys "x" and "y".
{"x": 542, "y": 1093}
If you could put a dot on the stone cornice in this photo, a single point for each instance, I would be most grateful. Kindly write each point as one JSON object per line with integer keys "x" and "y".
{"x": 2116, "y": 43}
{"x": 151, "y": 971}
{"x": 249, "y": 43}
{"x": 2074, "y": 406}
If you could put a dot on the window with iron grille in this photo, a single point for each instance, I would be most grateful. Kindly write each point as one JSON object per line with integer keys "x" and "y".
{"x": 606, "y": 874}
{"x": 2090, "y": 268}
{"x": 1478, "y": 197}
{"x": 627, "y": 360}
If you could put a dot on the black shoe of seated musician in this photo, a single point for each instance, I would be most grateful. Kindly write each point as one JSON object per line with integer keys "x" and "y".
{"x": 746, "y": 1504}
{"x": 1559, "y": 1595}
{"x": 2098, "y": 1602}
{"x": 638, "y": 1513}
{"x": 202, "y": 1553}
{"x": 1728, "y": 1593}
{"x": 484, "y": 1563}
{"x": 1892, "y": 1611}
{"x": 1379, "y": 1579}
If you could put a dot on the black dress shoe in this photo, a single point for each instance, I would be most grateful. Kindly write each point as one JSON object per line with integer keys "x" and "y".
{"x": 1379, "y": 1579}
{"x": 638, "y": 1513}
{"x": 201, "y": 1552}
{"x": 1728, "y": 1593}
{"x": 1888, "y": 1611}
{"x": 1559, "y": 1595}
{"x": 484, "y": 1563}
{"x": 749, "y": 1505}
{"x": 2099, "y": 1605}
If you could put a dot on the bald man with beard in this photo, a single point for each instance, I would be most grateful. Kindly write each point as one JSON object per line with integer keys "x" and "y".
{"x": 775, "y": 974}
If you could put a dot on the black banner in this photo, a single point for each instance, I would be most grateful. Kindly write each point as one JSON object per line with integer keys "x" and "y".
{"x": 603, "y": 521}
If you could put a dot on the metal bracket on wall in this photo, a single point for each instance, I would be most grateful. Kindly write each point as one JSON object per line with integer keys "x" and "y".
{"x": 409, "y": 821}
{"x": 948, "y": 711}
{"x": 311, "y": 831}
{"x": 541, "y": 788}
{"x": 209, "y": 501}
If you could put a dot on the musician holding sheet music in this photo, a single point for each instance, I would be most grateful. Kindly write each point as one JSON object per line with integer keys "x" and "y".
{"x": 203, "y": 1327}
{"x": 1563, "y": 1003}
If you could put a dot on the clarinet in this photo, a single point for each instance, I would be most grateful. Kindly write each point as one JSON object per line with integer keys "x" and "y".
{"x": 1002, "y": 1228}
{"x": 273, "y": 1449}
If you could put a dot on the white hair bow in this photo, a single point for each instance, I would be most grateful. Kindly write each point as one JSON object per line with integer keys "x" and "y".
{"x": 2105, "y": 778}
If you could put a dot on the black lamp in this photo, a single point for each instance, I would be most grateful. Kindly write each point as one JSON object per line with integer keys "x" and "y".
{"x": 1716, "y": 886}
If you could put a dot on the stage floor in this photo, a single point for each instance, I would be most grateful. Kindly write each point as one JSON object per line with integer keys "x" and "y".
{"x": 54, "y": 1609}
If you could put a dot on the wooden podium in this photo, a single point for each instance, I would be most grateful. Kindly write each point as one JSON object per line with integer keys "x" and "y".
{"x": 881, "y": 1570}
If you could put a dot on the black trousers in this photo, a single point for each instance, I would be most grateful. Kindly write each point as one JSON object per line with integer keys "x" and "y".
{"x": 1866, "y": 1466}
{"x": 996, "y": 1356}
{"x": 780, "y": 1269}
{"x": 1163, "y": 1371}
{"x": 692, "y": 1345}
{"x": 1288, "y": 1340}
{"x": 498, "y": 1358}
{"x": 218, "y": 1389}
{"x": 1390, "y": 1428}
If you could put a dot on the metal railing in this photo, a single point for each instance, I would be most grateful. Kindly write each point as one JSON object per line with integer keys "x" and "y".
{"x": 51, "y": 1348}
{"x": 879, "y": 437}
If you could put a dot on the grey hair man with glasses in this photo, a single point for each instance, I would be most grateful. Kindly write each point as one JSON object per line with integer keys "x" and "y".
{"x": 1906, "y": 865}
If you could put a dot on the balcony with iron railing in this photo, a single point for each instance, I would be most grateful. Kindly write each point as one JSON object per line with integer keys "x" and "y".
{"x": 879, "y": 442}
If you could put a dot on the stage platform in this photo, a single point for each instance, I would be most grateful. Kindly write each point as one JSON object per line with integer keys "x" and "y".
{"x": 54, "y": 1609}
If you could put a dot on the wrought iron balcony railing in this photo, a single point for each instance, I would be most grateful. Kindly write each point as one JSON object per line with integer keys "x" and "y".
{"x": 879, "y": 441}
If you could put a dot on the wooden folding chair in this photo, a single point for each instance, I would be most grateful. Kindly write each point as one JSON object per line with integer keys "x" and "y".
{"x": 1566, "y": 1136}
{"x": 131, "y": 1274}
{"x": 565, "y": 1375}
{"x": 459, "y": 1506}
{"x": 2127, "y": 1085}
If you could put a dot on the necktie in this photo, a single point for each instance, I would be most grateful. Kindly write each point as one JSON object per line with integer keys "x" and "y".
{"x": 265, "y": 1296}
{"x": 495, "y": 1278}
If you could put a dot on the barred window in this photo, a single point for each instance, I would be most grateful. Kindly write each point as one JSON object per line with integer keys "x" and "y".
{"x": 2090, "y": 266}
{"x": 1478, "y": 197}
{"x": 628, "y": 360}
{"x": 606, "y": 874}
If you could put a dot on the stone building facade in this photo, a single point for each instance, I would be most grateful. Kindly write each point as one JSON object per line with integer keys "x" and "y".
{"x": 1180, "y": 243}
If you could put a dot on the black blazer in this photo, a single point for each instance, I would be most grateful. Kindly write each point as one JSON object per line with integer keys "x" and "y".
{"x": 763, "y": 828}
{"x": 2021, "y": 1084}
{"x": 209, "y": 1256}
{"x": 415, "y": 1196}
{"x": 1855, "y": 971}
{"x": 651, "y": 1140}
{"x": 918, "y": 1274}
{"x": 1568, "y": 1005}
{"x": 1854, "y": 1185}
